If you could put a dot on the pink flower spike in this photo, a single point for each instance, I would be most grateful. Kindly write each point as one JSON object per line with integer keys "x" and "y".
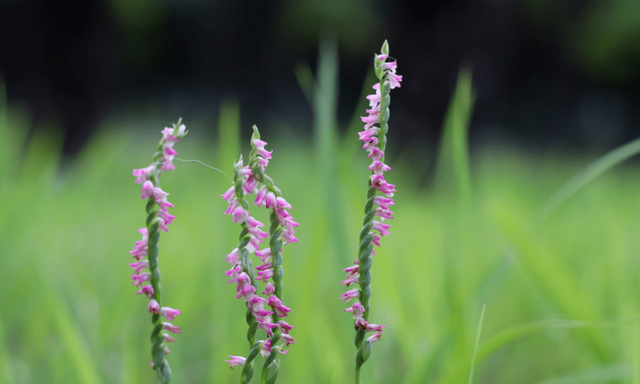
{"x": 171, "y": 328}
{"x": 169, "y": 313}
{"x": 350, "y": 295}
{"x": 236, "y": 360}
{"x": 147, "y": 290}
{"x": 147, "y": 189}
{"x": 382, "y": 57}
{"x": 380, "y": 227}
{"x": 154, "y": 307}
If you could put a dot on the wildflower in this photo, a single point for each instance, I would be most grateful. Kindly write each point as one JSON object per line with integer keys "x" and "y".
{"x": 374, "y": 137}
{"x": 145, "y": 253}
{"x": 236, "y": 360}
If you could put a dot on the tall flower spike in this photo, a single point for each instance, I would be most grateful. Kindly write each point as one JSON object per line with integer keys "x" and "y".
{"x": 374, "y": 137}
{"x": 146, "y": 250}
{"x": 250, "y": 179}
{"x": 281, "y": 231}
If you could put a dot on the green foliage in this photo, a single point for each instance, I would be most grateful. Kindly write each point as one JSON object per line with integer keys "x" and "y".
{"x": 562, "y": 297}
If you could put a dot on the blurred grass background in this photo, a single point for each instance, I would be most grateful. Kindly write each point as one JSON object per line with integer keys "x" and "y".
{"x": 560, "y": 293}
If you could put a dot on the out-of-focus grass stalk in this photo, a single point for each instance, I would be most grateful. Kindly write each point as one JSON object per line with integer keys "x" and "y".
{"x": 453, "y": 172}
{"x": 585, "y": 176}
{"x": 475, "y": 347}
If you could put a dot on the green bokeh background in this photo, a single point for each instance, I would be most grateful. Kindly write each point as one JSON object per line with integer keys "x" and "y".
{"x": 560, "y": 290}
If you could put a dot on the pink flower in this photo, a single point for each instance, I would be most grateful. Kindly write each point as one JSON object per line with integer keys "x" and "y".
{"x": 370, "y": 143}
{"x": 147, "y": 290}
{"x": 357, "y": 310}
{"x": 141, "y": 278}
{"x": 236, "y": 360}
{"x": 353, "y": 270}
{"x": 280, "y": 309}
{"x": 383, "y": 202}
{"x": 395, "y": 80}
{"x": 154, "y": 307}
{"x": 353, "y": 293}
{"x": 171, "y": 328}
{"x": 374, "y": 327}
{"x": 264, "y": 255}
{"x": 147, "y": 189}
{"x": 164, "y": 215}
{"x": 376, "y": 154}
{"x": 269, "y": 289}
{"x": 233, "y": 257}
{"x": 284, "y": 326}
{"x": 229, "y": 194}
{"x": 384, "y": 213}
{"x": 161, "y": 198}
{"x": 380, "y": 184}
{"x": 378, "y": 167}
{"x": 143, "y": 174}
{"x": 267, "y": 326}
{"x": 288, "y": 340}
{"x": 380, "y": 227}
{"x": 389, "y": 66}
{"x": 139, "y": 266}
{"x": 376, "y": 337}
{"x": 169, "y": 313}
{"x": 266, "y": 350}
{"x": 350, "y": 280}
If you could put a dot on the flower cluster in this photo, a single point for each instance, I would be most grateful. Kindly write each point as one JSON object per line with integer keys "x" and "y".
{"x": 265, "y": 311}
{"x": 146, "y": 273}
{"x": 377, "y": 206}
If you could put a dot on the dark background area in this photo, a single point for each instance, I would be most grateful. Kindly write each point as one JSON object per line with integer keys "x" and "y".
{"x": 547, "y": 72}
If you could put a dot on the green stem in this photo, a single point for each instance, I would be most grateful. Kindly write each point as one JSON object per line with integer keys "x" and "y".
{"x": 357, "y": 374}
